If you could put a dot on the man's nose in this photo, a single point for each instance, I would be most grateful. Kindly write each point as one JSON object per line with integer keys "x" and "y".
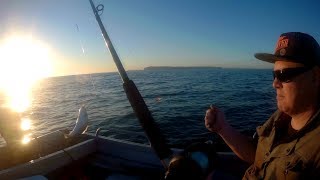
{"x": 276, "y": 83}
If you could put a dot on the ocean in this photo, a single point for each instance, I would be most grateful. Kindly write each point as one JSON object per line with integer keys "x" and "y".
{"x": 177, "y": 99}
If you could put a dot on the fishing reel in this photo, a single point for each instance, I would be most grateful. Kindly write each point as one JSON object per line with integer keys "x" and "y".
{"x": 195, "y": 162}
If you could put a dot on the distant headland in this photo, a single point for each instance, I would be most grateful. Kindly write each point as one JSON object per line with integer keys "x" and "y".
{"x": 179, "y": 67}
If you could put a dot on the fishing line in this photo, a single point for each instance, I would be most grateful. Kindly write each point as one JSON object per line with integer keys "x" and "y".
{"x": 84, "y": 102}
{"x": 94, "y": 87}
{"x": 80, "y": 40}
{"x": 88, "y": 98}
{"x": 95, "y": 91}
{"x": 83, "y": 52}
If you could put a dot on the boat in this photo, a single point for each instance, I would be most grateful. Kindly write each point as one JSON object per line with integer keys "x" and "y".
{"x": 89, "y": 156}
{"x": 74, "y": 154}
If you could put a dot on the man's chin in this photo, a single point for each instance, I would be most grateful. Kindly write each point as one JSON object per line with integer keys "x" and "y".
{"x": 285, "y": 109}
{"x": 282, "y": 108}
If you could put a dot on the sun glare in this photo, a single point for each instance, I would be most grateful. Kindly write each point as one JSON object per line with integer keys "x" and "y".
{"x": 25, "y": 124}
{"x": 24, "y": 60}
{"x": 26, "y": 139}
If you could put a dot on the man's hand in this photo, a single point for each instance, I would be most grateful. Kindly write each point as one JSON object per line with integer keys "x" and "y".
{"x": 215, "y": 119}
{"x": 241, "y": 145}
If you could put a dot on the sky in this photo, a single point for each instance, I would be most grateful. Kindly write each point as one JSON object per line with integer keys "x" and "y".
{"x": 145, "y": 33}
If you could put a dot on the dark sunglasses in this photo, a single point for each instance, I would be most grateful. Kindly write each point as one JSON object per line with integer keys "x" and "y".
{"x": 286, "y": 75}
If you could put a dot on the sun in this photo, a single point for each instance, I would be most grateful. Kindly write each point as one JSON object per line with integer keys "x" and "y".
{"x": 24, "y": 60}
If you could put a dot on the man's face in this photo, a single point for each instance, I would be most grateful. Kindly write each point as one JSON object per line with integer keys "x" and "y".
{"x": 300, "y": 93}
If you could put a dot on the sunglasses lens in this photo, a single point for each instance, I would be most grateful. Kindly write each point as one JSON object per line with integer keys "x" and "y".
{"x": 286, "y": 75}
{"x": 282, "y": 77}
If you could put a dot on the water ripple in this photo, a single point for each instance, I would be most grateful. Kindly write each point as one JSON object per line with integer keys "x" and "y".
{"x": 177, "y": 99}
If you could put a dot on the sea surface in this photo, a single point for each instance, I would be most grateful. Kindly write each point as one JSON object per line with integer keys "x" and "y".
{"x": 177, "y": 99}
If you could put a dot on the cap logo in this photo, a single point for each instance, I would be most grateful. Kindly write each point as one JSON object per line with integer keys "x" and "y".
{"x": 282, "y": 52}
{"x": 282, "y": 43}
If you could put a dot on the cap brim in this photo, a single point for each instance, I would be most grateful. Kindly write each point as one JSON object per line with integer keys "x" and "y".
{"x": 270, "y": 57}
{"x": 266, "y": 57}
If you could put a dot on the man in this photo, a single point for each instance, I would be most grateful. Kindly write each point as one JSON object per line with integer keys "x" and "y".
{"x": 289, "y": 142}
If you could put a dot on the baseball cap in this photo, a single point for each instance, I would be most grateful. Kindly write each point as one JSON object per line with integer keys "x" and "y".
{"x": 294, "y": 47}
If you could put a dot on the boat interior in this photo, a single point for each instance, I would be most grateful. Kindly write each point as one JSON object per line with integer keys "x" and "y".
{"x": 89, "y": 156}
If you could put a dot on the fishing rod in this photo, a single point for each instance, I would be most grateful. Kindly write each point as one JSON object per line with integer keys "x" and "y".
{"x": 154, "y": 135}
